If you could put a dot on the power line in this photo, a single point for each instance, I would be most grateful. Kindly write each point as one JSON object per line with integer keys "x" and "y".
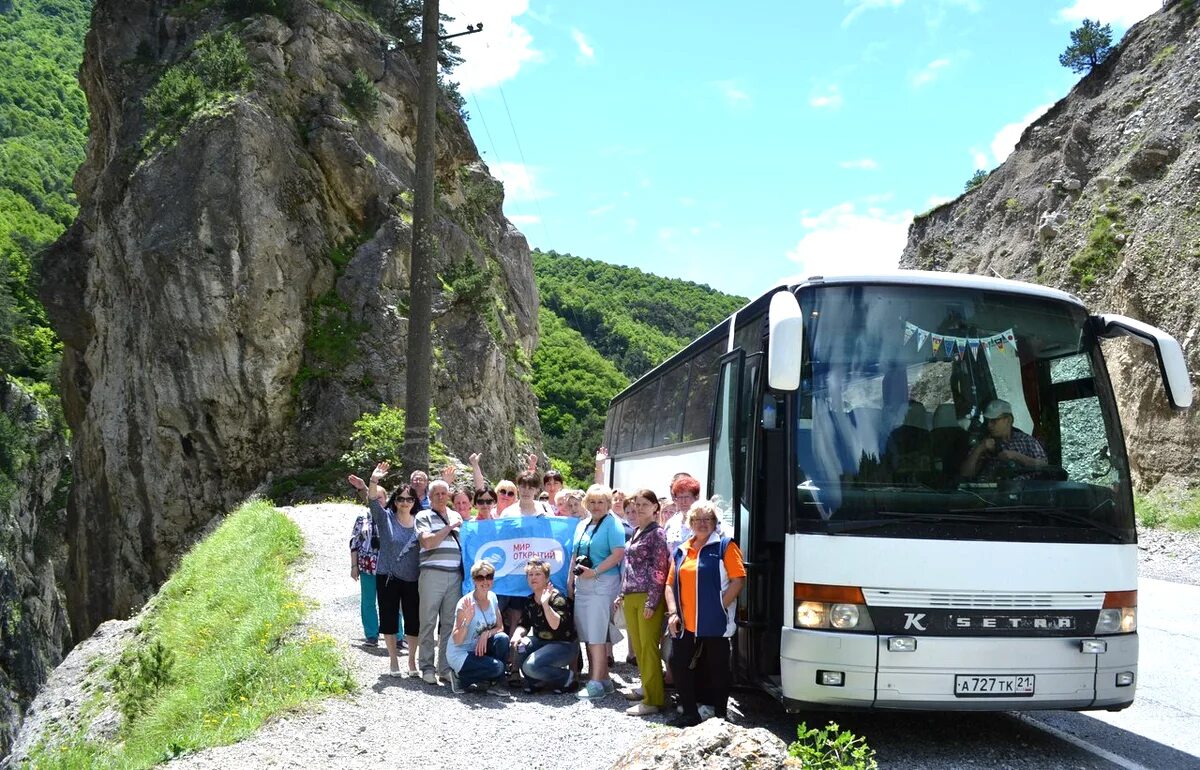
{"x": 536, "y": 202}
{"x": 486, "y": 130}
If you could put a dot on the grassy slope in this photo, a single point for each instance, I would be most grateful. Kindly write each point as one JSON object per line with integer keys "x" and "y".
{"x": 230, "y": 619}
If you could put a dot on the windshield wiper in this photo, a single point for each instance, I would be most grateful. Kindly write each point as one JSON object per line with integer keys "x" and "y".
{"x": 1061, "y": 514}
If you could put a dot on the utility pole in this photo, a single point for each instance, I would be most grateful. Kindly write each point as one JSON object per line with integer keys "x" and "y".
{"x": 419, "y": 366}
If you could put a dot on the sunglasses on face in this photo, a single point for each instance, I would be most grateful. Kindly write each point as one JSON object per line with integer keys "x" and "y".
{"x": 505, "y": 492}
{"x": 406, "y": 499}
{"x": 486, "y": 501}
{"x": 488, "y": 577}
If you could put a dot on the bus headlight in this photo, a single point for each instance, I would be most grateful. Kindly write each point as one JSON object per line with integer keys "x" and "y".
{"x": 1119, "y": 615}
{"x": 838, "y": 607}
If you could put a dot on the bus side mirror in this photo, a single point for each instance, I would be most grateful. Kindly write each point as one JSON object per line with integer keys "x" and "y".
{"x": 786, "y": 340}
{"x": 1170, "y": 355}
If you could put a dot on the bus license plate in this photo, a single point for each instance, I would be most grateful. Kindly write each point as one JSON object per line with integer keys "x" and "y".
{"x": 980, "y": 686}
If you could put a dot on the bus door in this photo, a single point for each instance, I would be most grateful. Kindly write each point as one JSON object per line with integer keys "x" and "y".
{"x": 733, "y": 481}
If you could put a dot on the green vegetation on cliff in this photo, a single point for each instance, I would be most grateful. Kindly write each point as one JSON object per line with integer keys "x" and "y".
{"x": 217, "y": 654}
{"x": 43, "y": 131}
{"x": 602, "y": 326}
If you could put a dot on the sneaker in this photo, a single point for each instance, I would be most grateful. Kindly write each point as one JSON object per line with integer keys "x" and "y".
{"x": 455, "y": 685}
{"x": 609, "y": 687}
{"x": 641, "y": 710}
{"x": 372, "y": 641}
{"x": 593, "y": 690}
{"x": 635, "y": 694}
{"x": 429, "y": 677}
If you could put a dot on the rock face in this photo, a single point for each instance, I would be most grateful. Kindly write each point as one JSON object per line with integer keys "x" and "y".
{"x": 232, "y": 301}
{"x": 712, "y": 745}
{"x": 1101, "y": 197}
{"x": 34, "y": 634}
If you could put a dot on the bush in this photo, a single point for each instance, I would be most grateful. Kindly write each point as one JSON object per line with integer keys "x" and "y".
{"x": 1175, "y": 509}
{"x": 138, "y": 676}
{"x": 975, "y": 180}
{"x": 831, "y": 748}
{"x": 217, "y": 67}
{"x": 379, "y": 436}
{"x": 362, "y": 97}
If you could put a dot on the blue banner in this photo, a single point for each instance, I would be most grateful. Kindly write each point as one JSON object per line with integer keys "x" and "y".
{"x": 509, "y": 543}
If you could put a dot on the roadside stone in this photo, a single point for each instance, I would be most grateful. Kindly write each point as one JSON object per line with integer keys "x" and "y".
{"x": 712, "y": 745}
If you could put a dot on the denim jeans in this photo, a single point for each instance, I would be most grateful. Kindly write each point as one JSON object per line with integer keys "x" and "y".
{"x": 485, "y": 668}
{"x": 547, "y": 663}
{"x": 370, "y": 613}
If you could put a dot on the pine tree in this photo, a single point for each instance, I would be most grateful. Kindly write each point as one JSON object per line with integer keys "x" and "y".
{"x": 1090, "y": 45}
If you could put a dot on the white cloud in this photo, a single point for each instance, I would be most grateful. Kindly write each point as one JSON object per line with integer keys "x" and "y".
{"x": 631, "y": 224}
{"x": 862, "y": 6}
{"x": 1006, "y": 138}
{"x": 587, "y": 54}
{"x": 843, "y": 239}
{"x": 936, "y": 200}
{"x": 1123, "y": 13}
{"x": 519, "y": 182}
{"x": 831, "y": 98}
{"x": 979, "y": 159}
{"x": 930, "y": 72}
{"x": 862, "y": 164}
{"x": 524, "y": 219}
{"x": 496, "y": 54}
{"x": 733, "y": 93}
{"x": 603, "y": 209}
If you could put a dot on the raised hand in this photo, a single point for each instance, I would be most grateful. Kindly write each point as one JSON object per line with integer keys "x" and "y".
{"x": 467, "y": 611}
{"x": 448, "y": 474}
{"x": 380, "y": 471}
{"x": 474, "y": 459}
{"x": 601, "y": 455}
{"x": 356, "y": 482}
{"x": 531, "y": 463}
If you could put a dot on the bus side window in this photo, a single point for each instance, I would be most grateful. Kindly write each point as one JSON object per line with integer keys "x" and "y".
{"x": 672, "y": 401}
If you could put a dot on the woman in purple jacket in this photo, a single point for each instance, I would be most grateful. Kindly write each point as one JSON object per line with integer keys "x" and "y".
{"x": 643, "y": 578}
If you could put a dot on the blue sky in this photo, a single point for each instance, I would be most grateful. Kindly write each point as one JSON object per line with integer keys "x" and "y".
{"x": 693, "y": 142}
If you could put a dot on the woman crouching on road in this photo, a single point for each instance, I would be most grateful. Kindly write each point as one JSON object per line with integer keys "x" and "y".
{"x": 478, "y": 649}
{"x": 545, "y": 637}
{"x": 706, "y": 576}
{"x": 643, "y": 581}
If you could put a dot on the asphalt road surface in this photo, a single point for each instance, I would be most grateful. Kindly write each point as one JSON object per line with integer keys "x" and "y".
{"x": 1161, "y": 729}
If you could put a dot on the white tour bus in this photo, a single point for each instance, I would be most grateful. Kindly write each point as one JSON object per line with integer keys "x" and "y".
{"x": 832, "y": 416}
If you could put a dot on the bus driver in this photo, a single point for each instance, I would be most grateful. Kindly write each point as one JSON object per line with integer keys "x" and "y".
{"x": 1004, "y": 444}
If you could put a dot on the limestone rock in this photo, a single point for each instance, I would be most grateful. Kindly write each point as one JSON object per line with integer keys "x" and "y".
{"x": 230, "y": 302}
{"x": 34, "y": 633}
{"x": 712, "y": 745}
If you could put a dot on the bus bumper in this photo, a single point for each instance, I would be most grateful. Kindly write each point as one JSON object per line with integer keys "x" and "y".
{"x": 1065, "y": 677}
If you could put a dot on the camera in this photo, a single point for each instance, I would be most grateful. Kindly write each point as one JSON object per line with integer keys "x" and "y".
{"x": 582, "y": 562}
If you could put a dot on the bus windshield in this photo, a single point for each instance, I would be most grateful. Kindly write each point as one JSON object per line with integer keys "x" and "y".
{"x": 948, "y": 412}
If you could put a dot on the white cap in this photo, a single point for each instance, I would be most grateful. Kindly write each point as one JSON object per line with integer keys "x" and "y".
{"x": 997, "y": 408}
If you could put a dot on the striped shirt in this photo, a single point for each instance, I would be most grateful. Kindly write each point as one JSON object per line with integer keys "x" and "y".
{"x": 447, "y": 555}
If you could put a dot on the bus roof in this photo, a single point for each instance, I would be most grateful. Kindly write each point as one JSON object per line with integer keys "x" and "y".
{"x": 933, "y": 278}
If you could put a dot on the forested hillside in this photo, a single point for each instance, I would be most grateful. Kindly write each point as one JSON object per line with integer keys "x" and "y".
{"x": 602, "y": 326}
{"x": 43, "y": 130}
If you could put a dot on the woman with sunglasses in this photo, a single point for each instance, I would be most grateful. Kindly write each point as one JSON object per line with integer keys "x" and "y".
{"x": 478, "y": 649}
{"x": 397, "y": 568}
{"x": 485, "y": 503}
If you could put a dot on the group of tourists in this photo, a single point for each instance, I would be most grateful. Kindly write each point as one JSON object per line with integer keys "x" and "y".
{"x": 666, "y": 570}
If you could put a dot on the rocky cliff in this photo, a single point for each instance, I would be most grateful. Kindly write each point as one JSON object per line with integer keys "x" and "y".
{"x": 233, "y": 294}
{"x": 1101, "y": 197}
{"x": 34, "y": 634}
